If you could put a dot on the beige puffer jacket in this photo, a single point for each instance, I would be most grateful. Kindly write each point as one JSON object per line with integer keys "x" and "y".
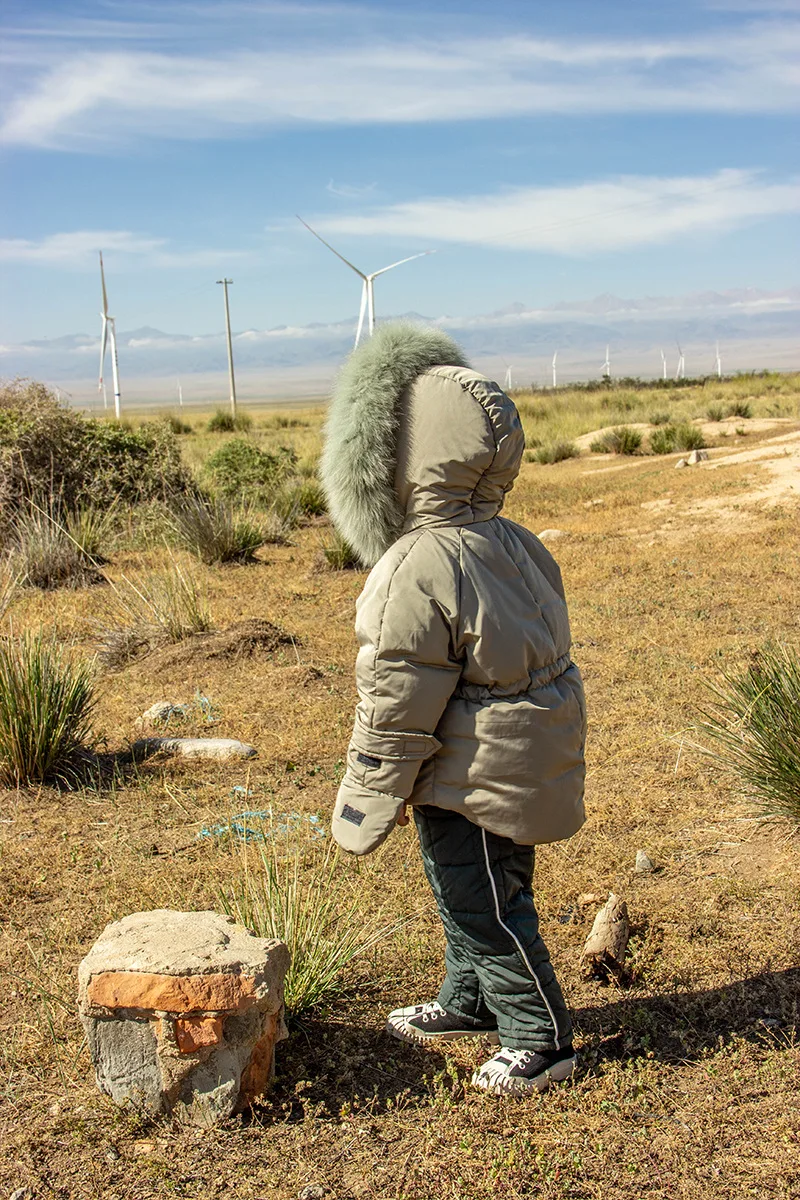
{"x": 469, "y": 700}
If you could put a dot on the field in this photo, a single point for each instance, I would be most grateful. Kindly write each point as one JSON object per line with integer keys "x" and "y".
{"x": 689, "y": 1069}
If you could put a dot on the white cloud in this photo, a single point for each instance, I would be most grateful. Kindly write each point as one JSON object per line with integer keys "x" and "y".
{"x": 588, "y": 218}
{"x": 103, "y": 95}
{"x": 350, "y": 191}
{"x": 79, "y": 248}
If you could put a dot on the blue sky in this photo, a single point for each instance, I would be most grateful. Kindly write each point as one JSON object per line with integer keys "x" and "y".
{"x": 547, "y": 152}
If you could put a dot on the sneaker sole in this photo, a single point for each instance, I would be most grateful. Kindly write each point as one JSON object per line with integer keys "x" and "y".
{"x": 417, "y": 1037}
{"x": 511, "y": 1086}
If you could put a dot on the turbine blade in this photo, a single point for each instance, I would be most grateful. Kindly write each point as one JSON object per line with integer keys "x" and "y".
{"x": 399, "y": 263}
{"x": 103, "y": 344}
{"x": 103, "y": 281}
{"x": 346, "y": 261}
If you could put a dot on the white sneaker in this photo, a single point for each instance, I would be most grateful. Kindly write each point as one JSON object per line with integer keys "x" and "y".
{"x": 520, "y": 1072}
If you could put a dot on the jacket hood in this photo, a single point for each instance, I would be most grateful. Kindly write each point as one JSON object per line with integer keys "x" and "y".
{"x": 415, "y": 437}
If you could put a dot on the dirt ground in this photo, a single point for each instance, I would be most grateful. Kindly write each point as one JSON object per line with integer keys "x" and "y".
{"x": 690, "y": 1070}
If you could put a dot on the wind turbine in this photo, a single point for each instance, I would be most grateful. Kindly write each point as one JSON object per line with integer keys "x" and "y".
{"x": 507, "y": 385}
{"x": 664, "y": 364}
{"x": 681, "y": 371}
{"x": 180, "y": 393}
{"x": 367, "y": 291}
{"x": 718, "y": 363}
{"x": 606, "y": 367}
{"x": 555, "y": 378}
{"x": 109, "y": 334}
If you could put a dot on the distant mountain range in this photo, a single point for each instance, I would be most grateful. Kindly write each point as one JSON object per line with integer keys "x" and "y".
{"x": 755, "y": 329}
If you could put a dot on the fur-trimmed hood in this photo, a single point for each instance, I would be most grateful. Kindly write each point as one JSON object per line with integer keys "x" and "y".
{"x": 406, "y": 443}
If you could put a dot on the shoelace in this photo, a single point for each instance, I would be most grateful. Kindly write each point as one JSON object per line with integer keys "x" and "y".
{"x": 519, "y": 1058}
{"x": 432, "y": 1009}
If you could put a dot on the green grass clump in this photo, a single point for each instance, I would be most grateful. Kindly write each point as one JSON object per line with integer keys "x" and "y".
{"x": 46, "y": 704}
{"x": 216, "y": 530}
{"x": 309, "y": 498}
{"x": 176, "y": 425}
{"x": 50, "y": 552}
{"x": 318, "y": 916}
{"x": 223, "y": 421}
{"x": 660, "y": 418}
{"x": 740, "y": 408}
{"x": 689, "y": 437}
{"x": 715, "y": 412}
{"x": 339, "y": 555}
{"x": 754, "y": 727}
{"x": 240, "y": 470}
{"x": 555, "y": 452}
{"x": 662, "y": 440}
{"x": 622, "y": 440}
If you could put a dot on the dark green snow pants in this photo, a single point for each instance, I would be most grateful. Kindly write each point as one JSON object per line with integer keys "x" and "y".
{"x": 498, "y": 967}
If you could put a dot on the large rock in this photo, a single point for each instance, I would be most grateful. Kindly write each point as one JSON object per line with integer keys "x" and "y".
{"x": 182, "y": 1012}
{"x": 220, "y": 748}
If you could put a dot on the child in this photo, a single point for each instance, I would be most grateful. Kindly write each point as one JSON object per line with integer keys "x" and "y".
{"x": 470, "y": 710}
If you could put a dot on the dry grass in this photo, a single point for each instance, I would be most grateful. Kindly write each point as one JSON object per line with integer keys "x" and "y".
{"x": 689, "y": 1078}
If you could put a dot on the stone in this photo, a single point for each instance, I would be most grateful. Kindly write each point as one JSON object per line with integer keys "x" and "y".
{"x": 604, "y": 950}
{"x": 182, "y": 1012}
{"x": 697, "y": 456}
{"x": 219, "y": 748}
{"x": 681, "y": 463}
{"x": 644, "y": 863}
{"x": 312, "y": 1191}
{"x": 161, "y": 713}
{"x": 552, "y": 535}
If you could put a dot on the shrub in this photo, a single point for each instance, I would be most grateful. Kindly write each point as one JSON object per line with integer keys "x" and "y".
{"x": 623, "y": 401}
{"x": 176, "y": 425}
{"x": 740, "y": 408}
{"x": 240, "y": 470}
{"x": 689, "y": 437}
{"x": 622, "y": 440}
{"x": 316, "y": 912}
{"x": 215, "y": 530}
{"x": 308, "y": 497}
{"x": 754, "y": 727}
{"x": 662, "y": 441}
{"x": 46, "y": 703}
{"x": 47, "y": 449}
{"x": 660, "y": 418}
{"x": 555, "y": 452}
{"x": 45, "y": 553}
{"x": 223, "y": 421}
{"x": 715, "y": 412}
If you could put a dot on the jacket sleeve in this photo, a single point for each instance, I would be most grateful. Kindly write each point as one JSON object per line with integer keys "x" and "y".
{"x": 406, "y": 671}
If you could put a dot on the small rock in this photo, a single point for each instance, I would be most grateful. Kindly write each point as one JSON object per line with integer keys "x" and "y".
{"x": 697, "y": 456}
{"x": 312, "y": 1191}
{"x": 22, "y": 1193}
{"x": 112, "y": 1155}
{"x": 593, "y": 503}
{"x": 219, "y": 748}
{"x": 644, "y": 863}
{"x": 161, "y": 711}
{"x": 586, "y": 898}
{"x": 681, "y": 463}
{"x": 552, "y": 535}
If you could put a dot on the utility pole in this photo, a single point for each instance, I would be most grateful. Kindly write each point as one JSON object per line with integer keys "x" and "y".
{"x": 225, "y": 283}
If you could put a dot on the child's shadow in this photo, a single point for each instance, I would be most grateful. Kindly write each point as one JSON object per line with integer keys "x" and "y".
{"x": 331, "y": 1065}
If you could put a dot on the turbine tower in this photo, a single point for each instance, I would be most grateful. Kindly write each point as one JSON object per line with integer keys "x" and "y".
{"x": 109, "y": 334}
{"x": 507, "y": 385}
{"x": 606, "y": 367}
{"x": 367, "y": 290}
{"x": 555, "y": 377}
{"x": 718, "y": 363}
{"x": 681, "y": 371}
{"x": 663, "y": 364}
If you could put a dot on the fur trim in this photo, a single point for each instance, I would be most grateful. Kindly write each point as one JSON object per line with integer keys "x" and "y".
{"x": 358, "y": 462}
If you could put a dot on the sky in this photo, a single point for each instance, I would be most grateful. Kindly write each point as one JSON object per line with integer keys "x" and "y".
{"x": 546, "y": 152}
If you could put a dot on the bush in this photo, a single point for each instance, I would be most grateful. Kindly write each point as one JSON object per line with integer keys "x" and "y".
{"x": 555, "y": 452}
{"x": 715, "y": 412}
{"x": 239, "y": 470}
{"x": 215, "y": 530}
{"x": 46, "y": 703}
{"x": 223, "y": 421}
{"x": 689, "y": 437}
{"x": 740, "y": 408}
{"x": 49, "y": 450}
{"x": 754, "y": 726}
{"x": 309, "y": 498}
{"x": 45, "y": 553}
{"x": 660, "y": 418}
{"x": 662, "y": 441}
{"x": 316, "y": 912}
{"x": 176, "y": 425}
{"x": 622, "y": 440}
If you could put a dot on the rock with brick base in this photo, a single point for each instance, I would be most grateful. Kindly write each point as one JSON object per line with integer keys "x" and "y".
{"x": 182, "y": 1012}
